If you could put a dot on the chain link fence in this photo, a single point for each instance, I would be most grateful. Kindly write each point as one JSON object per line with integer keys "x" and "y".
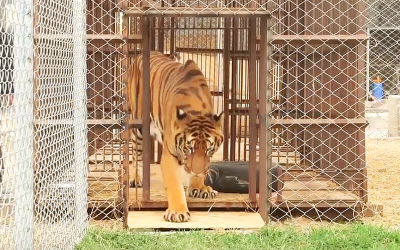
{"x": 105, "y": 99}
{"x": 338, "y": 108}
{"x": 43, "y": 161}
{"x": 318, "y": 135}
{"x": 381, "y": 109}
{"x": 335, "y": 85}
{"x": 334, "y": 122}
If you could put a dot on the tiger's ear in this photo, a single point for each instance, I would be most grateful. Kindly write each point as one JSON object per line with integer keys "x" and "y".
{"x": 219, "y": 118}
{"x": 180, "y": 114}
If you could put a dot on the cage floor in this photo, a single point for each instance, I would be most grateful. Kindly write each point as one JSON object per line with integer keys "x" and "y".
{"x": 199, "y": 220}
{"x": 104, "y": 188}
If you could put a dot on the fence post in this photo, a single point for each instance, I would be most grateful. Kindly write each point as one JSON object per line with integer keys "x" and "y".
{"x": 23, "y": 102}
{"x": 80, "y": 113}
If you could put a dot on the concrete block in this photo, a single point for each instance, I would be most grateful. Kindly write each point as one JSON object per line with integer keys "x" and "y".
{"x": 394, "y": 115}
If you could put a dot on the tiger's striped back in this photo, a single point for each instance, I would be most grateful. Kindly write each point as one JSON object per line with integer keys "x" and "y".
{"x": 181, "y": 109}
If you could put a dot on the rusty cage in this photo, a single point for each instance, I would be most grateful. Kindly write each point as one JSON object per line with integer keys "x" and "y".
{"x": 288, "y": 79}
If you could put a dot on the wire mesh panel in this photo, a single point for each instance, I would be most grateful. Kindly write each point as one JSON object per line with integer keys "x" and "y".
{"x": 337, "y": 78}
{"x": 318, "y": 118}
{"x": 115, "y": 38}
{"x": 382, "y": 107}
{"x": 332, "y": 96}
{"x": 202, "y": 39}
{"x": 105, "y": 100}
{"x": 198, "y": 7}
{"x": 383, "y": 47}
{"x": 16, "y": 190}
{"x": 43, "y": 199}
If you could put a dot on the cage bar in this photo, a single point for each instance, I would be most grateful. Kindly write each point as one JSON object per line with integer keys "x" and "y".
{"x": 23, "y": 148}
{"x": 146, "y": 108}
{"x": 265, "y": 109}
{"x": 80, "y": 115}
{"x": 253, "y": 96}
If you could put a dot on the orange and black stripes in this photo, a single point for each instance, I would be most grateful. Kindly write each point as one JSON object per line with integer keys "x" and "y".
{"x": 175, "y": 86}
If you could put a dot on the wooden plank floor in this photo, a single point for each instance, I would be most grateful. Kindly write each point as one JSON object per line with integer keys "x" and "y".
{"x": 104, "y": 186}
{"x": 199, "y": 220}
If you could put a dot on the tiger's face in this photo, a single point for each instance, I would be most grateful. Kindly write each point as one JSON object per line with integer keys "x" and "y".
{"x": 199, "y": 138}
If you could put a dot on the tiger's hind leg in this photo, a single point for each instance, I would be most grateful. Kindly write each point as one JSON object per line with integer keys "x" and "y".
{"x": 135, "y": 169}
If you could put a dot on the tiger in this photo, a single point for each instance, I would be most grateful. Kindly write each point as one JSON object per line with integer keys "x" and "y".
{"x": 182, "y": 119}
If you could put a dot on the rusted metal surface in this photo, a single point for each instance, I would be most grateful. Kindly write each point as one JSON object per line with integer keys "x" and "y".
{"x": 320, "y": 115}
{"x": 360, "y": 107}
{"x": 254, "y": 205}
{"x": 253, "y": 95}
{"x": 245, "y": 90}
{"x": 227, "y": 46}
{"x": 196, "y": 12}
{"x": 146, "y": 150}
{"x": 105, "y": 117}
{"x": 264, "y": 118}
{"x": 98, "y": 73}
{"x": 124, "y": 178}
{"x": 265, "y": 108}
{"x": 234, "y": 85}
{"x": 199, "y": 204}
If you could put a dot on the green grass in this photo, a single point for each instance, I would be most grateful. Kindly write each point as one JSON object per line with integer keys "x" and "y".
{"x": 352, "y": 236}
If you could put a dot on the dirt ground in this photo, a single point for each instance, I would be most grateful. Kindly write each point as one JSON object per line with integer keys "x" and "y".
{"x": 383, "y": 165}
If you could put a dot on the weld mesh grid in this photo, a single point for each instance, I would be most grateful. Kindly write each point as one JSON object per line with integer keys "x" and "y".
{"x": 43, "y": 203}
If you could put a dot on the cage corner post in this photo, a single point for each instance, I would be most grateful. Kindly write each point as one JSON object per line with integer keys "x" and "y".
{"x": 146, "y": 154}
{"x": 252, "y": 85}
{"x": 265, "y": 109}
{"x": 24, "y": 137}
{"x": 79, "y": 115}
{"x": 361, "y": 92}
{"x": 126, "y": 127}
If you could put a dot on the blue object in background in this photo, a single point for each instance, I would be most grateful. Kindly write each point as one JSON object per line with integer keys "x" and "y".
{"x": 377, "y": 90}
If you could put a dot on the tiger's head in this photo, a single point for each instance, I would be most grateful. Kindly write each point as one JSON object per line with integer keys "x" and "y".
{"x": 198, "y": 138}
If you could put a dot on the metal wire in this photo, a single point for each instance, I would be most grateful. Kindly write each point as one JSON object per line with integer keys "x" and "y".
{"x": 330, "y": 118}
{"x": 326, "y": 117}
{"x": 43, "y": 202}
{"x": 334, "y": 126}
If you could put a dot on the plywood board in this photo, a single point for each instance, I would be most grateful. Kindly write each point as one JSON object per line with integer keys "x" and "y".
{"x": 199, "y": 220}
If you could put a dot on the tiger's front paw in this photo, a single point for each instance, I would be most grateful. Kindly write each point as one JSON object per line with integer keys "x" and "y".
{"x": 205, "y": 192}
{"x": 178, "y": 216}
